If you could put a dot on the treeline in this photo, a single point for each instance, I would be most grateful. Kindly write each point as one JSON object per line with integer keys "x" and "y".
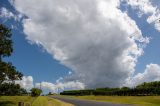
{"x": 144, "y": 89}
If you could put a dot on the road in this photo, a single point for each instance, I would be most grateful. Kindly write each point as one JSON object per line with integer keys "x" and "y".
{"x": 79, "y": 102}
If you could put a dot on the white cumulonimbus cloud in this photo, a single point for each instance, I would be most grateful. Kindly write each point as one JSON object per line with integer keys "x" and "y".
{"x": 94, "y": 38}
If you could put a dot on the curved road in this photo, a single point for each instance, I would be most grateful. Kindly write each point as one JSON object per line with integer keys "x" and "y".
{"x": 79, "y": 102}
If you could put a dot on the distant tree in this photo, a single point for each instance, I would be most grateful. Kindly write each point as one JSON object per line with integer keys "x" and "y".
{"x": 125, "y": 88}
{"x": 144, "y": 89}
{"x": 50, "y": 93}
{"x": 36, "y": 92}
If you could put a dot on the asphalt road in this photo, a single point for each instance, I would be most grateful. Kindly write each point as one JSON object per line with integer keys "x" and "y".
{"x": 78, "y": 102}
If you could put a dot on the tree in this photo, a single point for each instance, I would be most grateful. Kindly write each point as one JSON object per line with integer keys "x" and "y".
{"x": 36, "y": 92}
{"x": 6, "y": 44}
{"x": 50, "y": 93}
{"x": 11, "y": 89}
{"x": 8, "y": 72}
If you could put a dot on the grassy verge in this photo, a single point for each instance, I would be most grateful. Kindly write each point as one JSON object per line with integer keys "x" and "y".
{"x": 46, "y": 101}
{"x": 135, "y": 100}
{"x": 39, "y": 101}
{"x": 13, "y": 100}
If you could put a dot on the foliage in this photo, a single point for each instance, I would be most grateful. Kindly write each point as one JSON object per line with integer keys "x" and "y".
{"x": 11, "y": 89}
{"x": 144, "y": 89}
{"x": 77, "y": 92}
{"x": 5, "y": 41}
{"x": 36, "y": 92}
{"x": 50, "y": 93}
{"x": 8, "y": 73}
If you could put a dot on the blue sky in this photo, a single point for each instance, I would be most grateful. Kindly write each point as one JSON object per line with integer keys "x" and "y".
{"x": 33, "y": 60}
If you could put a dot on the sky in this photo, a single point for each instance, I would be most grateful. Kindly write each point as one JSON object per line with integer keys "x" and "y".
{"x": 77, "y": 44}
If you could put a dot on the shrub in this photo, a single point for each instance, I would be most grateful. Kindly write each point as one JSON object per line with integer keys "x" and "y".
{"x": 36, "y": 92}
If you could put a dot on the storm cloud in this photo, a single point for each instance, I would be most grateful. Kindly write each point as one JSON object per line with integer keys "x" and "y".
{"x": 94, "y": 38}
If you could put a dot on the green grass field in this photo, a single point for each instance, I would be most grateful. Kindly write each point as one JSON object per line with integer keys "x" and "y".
{"x": 13, "y": 100}
{"x": 39, "y": 101}
{"x": 135, "y": 100}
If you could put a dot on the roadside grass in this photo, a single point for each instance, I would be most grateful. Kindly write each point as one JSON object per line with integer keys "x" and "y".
{"x": 32, "y": 101}
{"x": 13, "y": 100}
{"x": 46, "y": 101}
{"x": 134, "y": 100}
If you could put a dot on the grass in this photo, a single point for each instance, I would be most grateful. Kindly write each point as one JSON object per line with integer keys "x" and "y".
{"x": 13, "y": 100}
{"x": 135, "y": 100}
{"x": 39, "y": 101}
{"x": 46, "y": 101}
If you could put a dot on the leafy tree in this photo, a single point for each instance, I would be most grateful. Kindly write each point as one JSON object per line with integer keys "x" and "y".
{"x": 50, "y": 93}
{"x": 36, "y": 92}
{"x": 6, "y": 44}
{"x": 8, "y": 73}
{"x": 11, "y": 89}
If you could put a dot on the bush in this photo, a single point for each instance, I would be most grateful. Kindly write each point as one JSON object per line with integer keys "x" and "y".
{"x": 36, "y": 92}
